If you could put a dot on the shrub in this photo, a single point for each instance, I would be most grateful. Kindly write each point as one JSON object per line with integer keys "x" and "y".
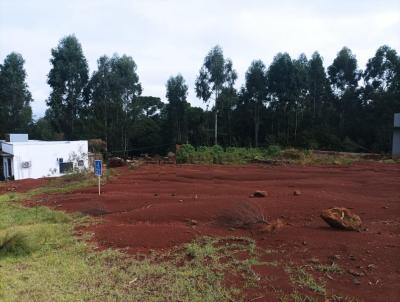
{"x": 185, "y": 154}
{"x": 217, "y": 152}
{"x": 273, "y": 150}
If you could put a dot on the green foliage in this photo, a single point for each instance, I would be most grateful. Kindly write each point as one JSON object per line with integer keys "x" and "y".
{"x": 217, "y": 155}
{"x": 294, "y": 102}
{"x": 185, "y": 154}
{"x": 177, "y": 108}
{"x": 273, "y": 150}
{"x": 216, "y": 74}
{"x": 15, "y": 98}
{"x": 67, "y": 78}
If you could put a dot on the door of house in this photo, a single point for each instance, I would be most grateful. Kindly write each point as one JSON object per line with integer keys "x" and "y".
{"x": 10, "y": 174}
{"x": 2, "y": 177}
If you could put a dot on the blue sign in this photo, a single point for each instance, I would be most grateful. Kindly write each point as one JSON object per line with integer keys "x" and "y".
{"x": 98, "y": 167}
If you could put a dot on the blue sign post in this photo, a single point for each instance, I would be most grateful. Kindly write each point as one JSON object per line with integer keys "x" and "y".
{"x": 98, "y": 170}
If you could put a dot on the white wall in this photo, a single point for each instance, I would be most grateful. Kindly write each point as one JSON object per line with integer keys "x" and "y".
{"x": 43, "y": 157}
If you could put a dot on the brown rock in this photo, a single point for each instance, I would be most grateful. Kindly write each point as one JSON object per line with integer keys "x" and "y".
{"x": 342, "y": 218}
{"x": 192, "y": 222}
{"x": 297, "y": 193}
{"x": 356, "y": 281}
{"x": 259, "y": 194}
{"x": 355, "y": 273}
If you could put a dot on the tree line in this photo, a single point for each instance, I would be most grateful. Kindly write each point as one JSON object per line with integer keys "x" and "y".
{"x": 292, "y": 102}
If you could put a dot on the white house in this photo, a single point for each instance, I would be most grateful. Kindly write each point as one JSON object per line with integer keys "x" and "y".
{"x": 22, "y": 158}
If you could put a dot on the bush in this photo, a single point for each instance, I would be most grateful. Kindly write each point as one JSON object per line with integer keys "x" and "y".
{"x": 217, "y": 152}
{"x": 273, "y": 150}
{"x": 185, "y": 154}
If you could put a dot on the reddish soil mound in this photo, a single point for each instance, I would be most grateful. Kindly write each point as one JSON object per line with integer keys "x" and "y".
{"x": 152, "y": 207}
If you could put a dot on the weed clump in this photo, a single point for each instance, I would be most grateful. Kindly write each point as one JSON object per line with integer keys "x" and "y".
{"x": 243, "y": 215}
{"x": 15, "y": 243}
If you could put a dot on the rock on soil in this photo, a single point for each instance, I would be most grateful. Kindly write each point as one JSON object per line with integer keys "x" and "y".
{"x": 297, "y": 193}
{"x": 342, "y": 218}
{"x": 259, "y": 194}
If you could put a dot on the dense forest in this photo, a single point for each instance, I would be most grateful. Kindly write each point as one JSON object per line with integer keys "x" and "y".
{"x": 293, "y": 102}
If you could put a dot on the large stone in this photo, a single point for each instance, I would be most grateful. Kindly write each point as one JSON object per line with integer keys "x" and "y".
{"x": 342, "y": 218}
{"x": 259, "y": 194}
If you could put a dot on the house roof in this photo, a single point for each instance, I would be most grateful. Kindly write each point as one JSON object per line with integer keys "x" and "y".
{"x": 38, "y": 142}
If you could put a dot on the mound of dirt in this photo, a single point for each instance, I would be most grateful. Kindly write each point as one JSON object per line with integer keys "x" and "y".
{"x": 342, "y": 218}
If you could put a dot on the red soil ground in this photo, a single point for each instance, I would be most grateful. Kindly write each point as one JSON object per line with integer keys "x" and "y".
{"x": 149, "y": 208}
{"x": 21, "y": 186}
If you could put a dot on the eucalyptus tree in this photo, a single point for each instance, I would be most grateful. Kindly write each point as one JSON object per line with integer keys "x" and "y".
{"x": 216, "y": 74}
{"x": 176, "y": 94}
{"x": 319, "y": 87}
{"x": 15, "y": 98}
{"x": 381, "y": 97}
{"x": 257, "y": 92}
{"x": 67, "y": 78}
{"x": 282, "y": 87}
{"x": 344, "y": 77}
{"x": 113, "y": 92}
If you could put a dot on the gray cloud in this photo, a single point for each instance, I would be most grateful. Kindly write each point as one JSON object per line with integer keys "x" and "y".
{"x": 170, "y": 37}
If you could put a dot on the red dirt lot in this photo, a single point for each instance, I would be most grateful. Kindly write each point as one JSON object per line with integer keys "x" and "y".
{"x": 161, "y": 206}
{"x": 21, "y": 186}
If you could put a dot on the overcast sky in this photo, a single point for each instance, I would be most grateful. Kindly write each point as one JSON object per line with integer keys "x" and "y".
{"x": 169, "y": 37}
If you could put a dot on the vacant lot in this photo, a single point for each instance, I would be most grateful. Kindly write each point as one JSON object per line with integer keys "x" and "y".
{"x": 159, "y": 207}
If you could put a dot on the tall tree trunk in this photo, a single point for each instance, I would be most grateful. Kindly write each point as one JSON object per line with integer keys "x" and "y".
{"x": 256, "y": 124}
{"x": 295, "y": 126}
{"x": 216, "y": 127}
{"x": 216, "y": 119}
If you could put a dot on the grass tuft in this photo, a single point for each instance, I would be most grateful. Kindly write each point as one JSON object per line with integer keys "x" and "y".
{"x": 302, "y": 278}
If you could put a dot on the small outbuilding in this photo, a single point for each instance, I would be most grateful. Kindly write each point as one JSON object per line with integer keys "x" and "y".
{"x": 396, "y": 136}
{"x": 22, "y": 158}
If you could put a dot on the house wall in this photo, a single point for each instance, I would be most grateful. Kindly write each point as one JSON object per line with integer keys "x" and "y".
{"x": 43, "y": 157}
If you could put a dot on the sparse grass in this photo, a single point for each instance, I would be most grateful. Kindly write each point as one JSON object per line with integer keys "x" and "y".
{"x": 304, "y": 279}
{"x": 295, "y": 296}
{"x": 332, "y": 268}
{"x": 340, "y": 298}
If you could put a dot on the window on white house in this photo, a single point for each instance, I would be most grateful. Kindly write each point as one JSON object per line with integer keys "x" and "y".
{"x": 66, "y": 167}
